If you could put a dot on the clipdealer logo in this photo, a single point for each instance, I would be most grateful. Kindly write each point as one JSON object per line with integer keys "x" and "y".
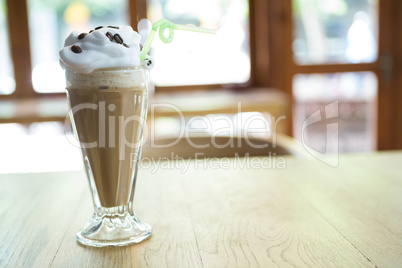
{"x": 110, "y": 129}
{"x": 331, "y": 154}
{"x": 199, "y": 161}
{"x": 326, "y": 115}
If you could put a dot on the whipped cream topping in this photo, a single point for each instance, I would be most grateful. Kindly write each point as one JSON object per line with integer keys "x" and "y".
{"x": 106, "y": 47}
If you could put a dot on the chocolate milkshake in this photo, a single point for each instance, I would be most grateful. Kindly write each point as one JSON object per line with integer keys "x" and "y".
{"x": 107, "y": 89}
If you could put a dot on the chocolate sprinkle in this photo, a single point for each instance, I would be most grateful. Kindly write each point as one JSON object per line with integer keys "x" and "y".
{"x": 82, "y": 36}
{"x": 110, "y": 36}
{"x": 124, "y": 44}
{"x": 91, "y": 31}
{"x": 113, "y": 27}
{"x": 76, "y": 49}
{"x": 118, "y": 39}
{"x": 99, "y": 27}
{"x": 149, "y": 62}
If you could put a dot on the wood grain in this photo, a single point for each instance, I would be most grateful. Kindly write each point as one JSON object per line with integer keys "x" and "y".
{"x": 305, "y": 215}
{"x": 361, "y": 200}
{"x": 238, "y": 226}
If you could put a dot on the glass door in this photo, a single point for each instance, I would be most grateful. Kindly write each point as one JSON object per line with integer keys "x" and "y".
{"x": 334, "y": 73}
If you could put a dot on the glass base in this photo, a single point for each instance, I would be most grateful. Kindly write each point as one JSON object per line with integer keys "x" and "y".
{"x": 113, "y": 229}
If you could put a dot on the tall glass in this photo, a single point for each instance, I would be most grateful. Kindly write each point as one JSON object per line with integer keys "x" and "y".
{"x": 108, "y": 114}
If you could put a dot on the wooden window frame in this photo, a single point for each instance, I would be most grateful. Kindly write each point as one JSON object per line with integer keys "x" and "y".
{"x": 388, "y": 66}
{"x": 20, "y": 49}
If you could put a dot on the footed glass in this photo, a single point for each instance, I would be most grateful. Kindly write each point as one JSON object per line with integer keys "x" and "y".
{"x": 108, "y": 111}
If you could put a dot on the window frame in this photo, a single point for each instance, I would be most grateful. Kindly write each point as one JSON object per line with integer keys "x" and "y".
{"x": 17, "y": 18}
{"x": 18, "y": 25}
{"x": 387, "y": 67}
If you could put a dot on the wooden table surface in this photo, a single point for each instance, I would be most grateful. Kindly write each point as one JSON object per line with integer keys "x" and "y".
{"x": 308, "y": 214}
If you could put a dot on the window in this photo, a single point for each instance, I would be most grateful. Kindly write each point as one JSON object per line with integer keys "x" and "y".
{"x": 335, "y": 31}
{"x": 59, "y": 18}
{"x": 193, "y": 58}
{"x": 356, "y": 93}
{"x": 197, "y": 59}
{"x": 284, "y": 44}
{"x": 325, "y": 34}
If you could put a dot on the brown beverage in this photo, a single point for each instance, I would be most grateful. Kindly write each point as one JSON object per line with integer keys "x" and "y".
{"x": 109, "y": 113}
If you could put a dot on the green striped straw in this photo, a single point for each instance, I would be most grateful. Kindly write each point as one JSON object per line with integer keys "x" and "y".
{"x": 163, "y": 25}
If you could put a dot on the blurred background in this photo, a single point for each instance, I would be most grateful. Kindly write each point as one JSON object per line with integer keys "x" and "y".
{"x": 277, "y": 58}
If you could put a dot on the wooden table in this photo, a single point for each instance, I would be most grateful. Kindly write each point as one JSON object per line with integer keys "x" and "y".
{"x": 309, "y": 214}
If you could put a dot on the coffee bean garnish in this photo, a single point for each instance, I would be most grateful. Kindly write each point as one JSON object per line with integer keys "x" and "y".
{"x": 99, "y": 27}
{"x": 149, "y": 62}
{"x": 124, "y": 44}
{"x": 113, "y": 27}
{"x": 76, "y": 49}
{"x": 91, "y": 31}
{"x": 110, "y": 36}
{"x": 82, "y": 36}
{"x": 118, "y": 39}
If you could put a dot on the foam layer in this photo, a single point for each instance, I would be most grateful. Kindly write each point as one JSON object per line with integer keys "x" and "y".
{"x": 109, "y": 79}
